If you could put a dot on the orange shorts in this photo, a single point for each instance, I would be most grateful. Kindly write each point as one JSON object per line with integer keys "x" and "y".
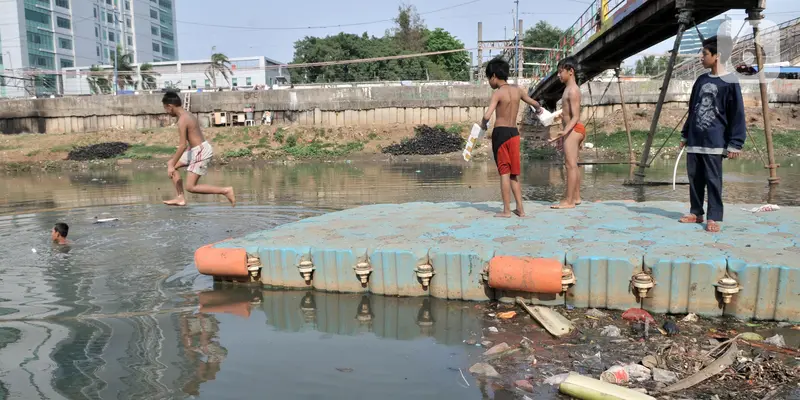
{"x": 507, "y": 157}
{"x": 580, "y": 128}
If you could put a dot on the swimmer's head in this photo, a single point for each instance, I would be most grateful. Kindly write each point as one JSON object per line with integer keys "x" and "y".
{"x": 172, "y": 103}
{"x": 497, "y": 71}
{"x": 60, "y": 232}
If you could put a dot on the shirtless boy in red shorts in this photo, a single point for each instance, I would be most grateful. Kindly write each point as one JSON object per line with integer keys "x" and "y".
{"x": 505, "y": 136}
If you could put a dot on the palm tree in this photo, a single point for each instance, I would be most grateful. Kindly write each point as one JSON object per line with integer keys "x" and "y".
{"x": 148, "y": 76}
{"x": 125, "y": 69}
{"x": 219, "y": 65}
{"x": 98, "y": 83}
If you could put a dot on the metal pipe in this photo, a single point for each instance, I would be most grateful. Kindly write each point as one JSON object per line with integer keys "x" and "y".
{"x": 684, "y": 19}
{"x": 755, "y": 17}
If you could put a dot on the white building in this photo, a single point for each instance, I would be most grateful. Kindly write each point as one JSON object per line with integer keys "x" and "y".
{"x": 247, "y": 73}
{"x": 48, "y": 35}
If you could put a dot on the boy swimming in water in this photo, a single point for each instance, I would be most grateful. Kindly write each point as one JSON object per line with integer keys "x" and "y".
{"x": 193, "y": 152}
{"x": 574, "y": 132}
{"x": 505, "y": 136}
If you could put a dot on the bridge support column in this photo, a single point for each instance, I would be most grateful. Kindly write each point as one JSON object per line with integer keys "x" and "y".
{"x": 685, "y": 9}
{"x": 754, "y": 16}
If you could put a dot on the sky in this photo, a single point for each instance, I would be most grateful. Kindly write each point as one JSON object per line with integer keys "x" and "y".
{"x": 259, "y": 28}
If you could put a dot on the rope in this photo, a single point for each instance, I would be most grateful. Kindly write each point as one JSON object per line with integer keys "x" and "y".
{"x": 760, "y": 155}
{"x": 667, "y": 140}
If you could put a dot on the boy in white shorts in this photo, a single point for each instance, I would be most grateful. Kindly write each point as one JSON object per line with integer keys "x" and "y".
{"x": 193, "y": 152}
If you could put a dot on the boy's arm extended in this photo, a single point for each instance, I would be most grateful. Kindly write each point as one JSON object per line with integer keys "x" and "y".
{"x": 737, "y": 127}
{"x": 689, "y": 116}
{"x": 182, "y": 138}
{"x": 527, "y": 99}
{"x": 492, "y": 106}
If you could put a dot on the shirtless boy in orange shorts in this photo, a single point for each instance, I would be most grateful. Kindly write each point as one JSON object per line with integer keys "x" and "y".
{"x": 505, "y": 136}
{"x": 574, "y": 132}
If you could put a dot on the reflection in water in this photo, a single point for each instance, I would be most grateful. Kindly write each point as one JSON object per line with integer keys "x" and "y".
{"x": 123, "y": 313}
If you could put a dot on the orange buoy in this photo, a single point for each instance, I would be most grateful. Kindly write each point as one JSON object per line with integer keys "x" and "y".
{"x": 526, "y": 274}
{"x": 221, "y": 262}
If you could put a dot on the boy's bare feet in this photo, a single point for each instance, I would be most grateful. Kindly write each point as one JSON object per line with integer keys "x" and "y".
{"x": 178, "y": 201}
{"x": 503, "y": 215}
{"x": 519, "y": 213}
{"x": 712, "y": 226}
{"x": 691, "y": 219}
{"x": 229, "y": 194}
{"x": 562, "y": 206}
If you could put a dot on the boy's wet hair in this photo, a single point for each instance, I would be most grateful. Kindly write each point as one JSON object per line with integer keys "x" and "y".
{"x": 712, "y": 45}
{"x": 172, "y": 98}
{"x": 498, "y": 68}
{"x": 62, "y": 229}
{"x": 568, "y": 64}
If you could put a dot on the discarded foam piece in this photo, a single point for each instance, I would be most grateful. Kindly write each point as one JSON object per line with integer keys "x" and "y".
{"x": 552, "y": 321}
{"x": 585, "y": 388}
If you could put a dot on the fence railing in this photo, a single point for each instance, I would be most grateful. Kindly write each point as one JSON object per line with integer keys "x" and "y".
{"x": 593, "y": 22}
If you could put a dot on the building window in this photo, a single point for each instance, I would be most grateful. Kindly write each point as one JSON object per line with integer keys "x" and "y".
{"x": 111, "y": 37}
{"x": 127, "y": 4}
{"x": 128, "y": 22}
{"x": 95, "y": 12}
{"x": 65, "y": 43}
{"x": 130, "y": 40}
{"x": 156, "y": 48}
{"x": 167, "y": 51}
{"x": 153, "y": 14}
{"x": 108, "y": 2}
{"x": 167, "y": 35}
{"x": 62, "y": 3}
{"x": 249, "y": 81}
{"x": 35, "y": 16}
{"x": 98, "y": 51}
{"x": 105, "y": 35}
{"x": 154, "y": 30}
{"x": 96, "y": 32}
{"x": 235, "y": 82}
{"x": 63, "y": 23}
{"x": 208, "y": 83}
{"x": 66, "y": 63}
{"x": 110, "y": 18}
{"x": 194, "y": 84}
{"x": 166, "y": 4}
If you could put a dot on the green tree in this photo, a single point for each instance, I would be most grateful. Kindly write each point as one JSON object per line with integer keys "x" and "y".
{"x": 409, "y": 36}
{"x": 452, "y": 65}
{"x": 410, "y": 32}
{"x": 651, "y": 65}
{"x": 125, "y": 69}
{"x": 220, "y": 65}
{"x": 541, "y": 35}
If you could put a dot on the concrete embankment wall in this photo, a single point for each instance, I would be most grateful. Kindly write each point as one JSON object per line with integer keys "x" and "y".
{"x": 329, "y": 107}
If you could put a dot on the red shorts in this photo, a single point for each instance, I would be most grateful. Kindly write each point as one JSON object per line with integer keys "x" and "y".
{"x": 508, "y": 157}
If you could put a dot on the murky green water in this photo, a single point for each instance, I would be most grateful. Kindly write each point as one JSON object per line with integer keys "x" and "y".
{"x": 122, "y": 313}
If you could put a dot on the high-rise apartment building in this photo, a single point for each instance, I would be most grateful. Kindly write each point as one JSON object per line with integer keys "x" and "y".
{"x": 47, "y": 35}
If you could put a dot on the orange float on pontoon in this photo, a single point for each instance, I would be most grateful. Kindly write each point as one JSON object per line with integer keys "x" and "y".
{"x": 526, "y": 274}
{"x": 221, "y": 262}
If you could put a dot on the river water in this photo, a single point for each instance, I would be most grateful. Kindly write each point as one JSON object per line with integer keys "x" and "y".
{"x": 122, "y": 313}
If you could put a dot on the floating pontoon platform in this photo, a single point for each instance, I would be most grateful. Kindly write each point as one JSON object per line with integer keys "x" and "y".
{"x": 613, "y": 255}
